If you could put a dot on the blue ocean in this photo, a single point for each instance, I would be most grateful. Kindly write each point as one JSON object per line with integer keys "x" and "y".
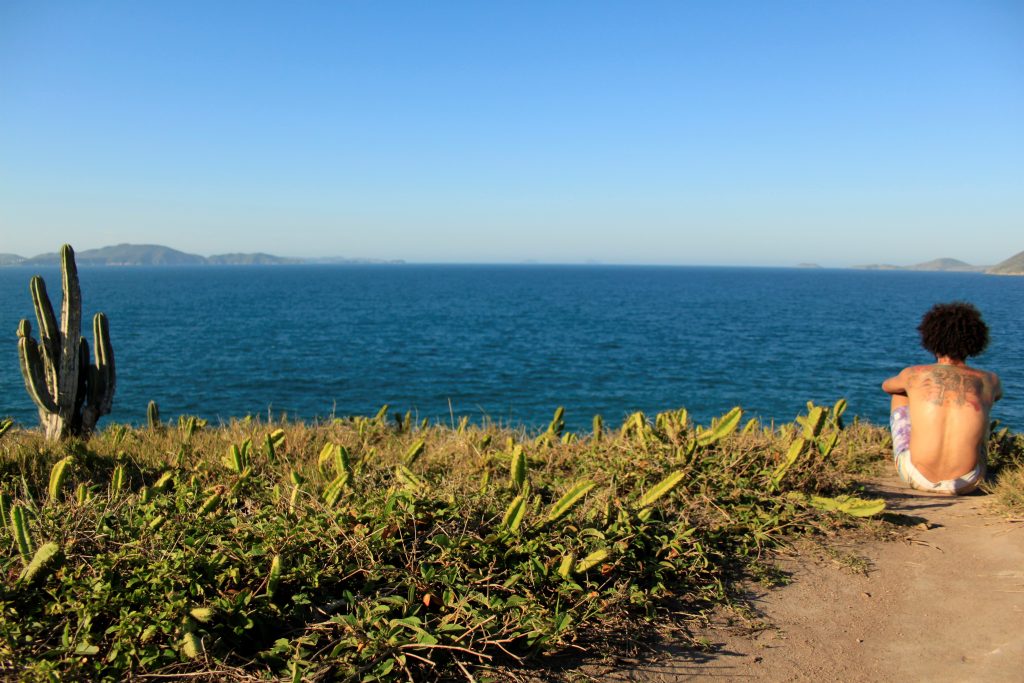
{"x": 509, "y": 344}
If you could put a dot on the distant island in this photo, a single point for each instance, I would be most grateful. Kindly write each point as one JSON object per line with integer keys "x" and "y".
{"x": 940, "y": 264}
{"x": 158, "y": 255}
{"x": 1011, "y": 266}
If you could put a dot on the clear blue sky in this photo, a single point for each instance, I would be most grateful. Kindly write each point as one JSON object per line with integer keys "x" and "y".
{"x": 751, "y": 133}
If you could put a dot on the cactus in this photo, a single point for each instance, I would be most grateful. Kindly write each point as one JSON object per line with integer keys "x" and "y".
{"x": 273, "y": 441}
{"x": 58, "y": 474}
{"x": 517, "y": 472}
{"x": 566, "y": 565}
{"x": 191, "y": 645}
{"x": 118, "y": 481}
{"x": 190, "y": 424}
{"x": 557, "y": 424}
{"x": 566, "y": 502}
{"x": 814, "y": 421}
{"x": 297, "y": 481}
{"x": 21, "y": 533}
{"x": 408, "y": 478}
{"x": 82, "y": 494}
{"x": 46, "y": 559}
{"x": 850, "y": 505}
{"x": 593, "y": 559}
{"x": 332, "y": 494}
{"x": 71, "y": 394}
{"x": 5, "y": 510}
{"x": 836, "y": 414}
{"x": 663, "y": 487}
{"x": 274, "y": 577}
{"x": 513, "y": 517}
{"x": 163, "y": 482}
{"x": 414, "y": 453}
{"x": 721, "y": 428}
{"x": 210, "y": 504}
{"x": 203, "y": 614}
{"x": 153, "y": 416}
{"x": 795, "y": 449}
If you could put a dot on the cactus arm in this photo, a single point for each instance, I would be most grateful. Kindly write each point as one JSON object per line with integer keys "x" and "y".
{"x": 106, "y": 374}
{"x": 83, "y": 385}
{"x": 99, "y": 395}
{"x": 49, "y": 333}
{"x": 71, "y": 329}
{"x": 33, "y": 374}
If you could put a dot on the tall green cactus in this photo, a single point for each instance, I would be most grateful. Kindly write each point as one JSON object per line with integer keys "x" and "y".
{"x": 71, "y": 394}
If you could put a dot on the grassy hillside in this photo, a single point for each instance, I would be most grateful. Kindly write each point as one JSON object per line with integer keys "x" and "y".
{"x": 379, "y": 549}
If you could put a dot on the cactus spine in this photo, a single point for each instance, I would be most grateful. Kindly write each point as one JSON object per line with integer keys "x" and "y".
{"x": 71, "y": 394}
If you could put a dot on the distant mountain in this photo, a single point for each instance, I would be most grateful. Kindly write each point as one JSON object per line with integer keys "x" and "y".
{"x": 125, "y": 255}
{"x": 950, "y": 265}
{"x": 158, "y": 255}
{"x": 1011, "y": 266}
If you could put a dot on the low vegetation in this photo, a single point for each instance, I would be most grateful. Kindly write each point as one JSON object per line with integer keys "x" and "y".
{"x": 377, "y": 548}
{"x": 1006, "y": 472}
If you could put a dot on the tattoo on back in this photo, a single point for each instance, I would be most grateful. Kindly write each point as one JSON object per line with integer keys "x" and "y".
{"x": 944, "y": 385}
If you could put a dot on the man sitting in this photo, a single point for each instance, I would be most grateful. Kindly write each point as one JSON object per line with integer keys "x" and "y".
{"x": 940, "y": 412}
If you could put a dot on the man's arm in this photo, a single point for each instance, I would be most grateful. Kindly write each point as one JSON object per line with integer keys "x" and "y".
{"x": 997, "y": 392}
{"x": 897, "y": 384}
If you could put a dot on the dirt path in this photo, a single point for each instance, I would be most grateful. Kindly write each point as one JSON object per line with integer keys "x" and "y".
{"x": 946, "y": 603}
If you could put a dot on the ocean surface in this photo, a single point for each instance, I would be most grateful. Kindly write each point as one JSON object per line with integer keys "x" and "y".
{"x": 511, "y": 343}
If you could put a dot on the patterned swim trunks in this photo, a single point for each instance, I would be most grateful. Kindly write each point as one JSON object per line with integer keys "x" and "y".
{"x": 899, "y": 424}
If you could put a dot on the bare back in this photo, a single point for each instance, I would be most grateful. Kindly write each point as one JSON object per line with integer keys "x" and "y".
{"x": 949, "y": 417}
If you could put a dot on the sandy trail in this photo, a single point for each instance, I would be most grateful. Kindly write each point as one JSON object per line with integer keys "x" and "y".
{"x": 946, "y": 603}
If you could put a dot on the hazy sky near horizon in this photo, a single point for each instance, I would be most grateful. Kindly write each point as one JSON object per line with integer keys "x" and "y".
{"x": 745, "y": 133}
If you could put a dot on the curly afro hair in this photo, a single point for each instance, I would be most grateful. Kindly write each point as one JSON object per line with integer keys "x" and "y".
{"x": 955, "y": 330}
